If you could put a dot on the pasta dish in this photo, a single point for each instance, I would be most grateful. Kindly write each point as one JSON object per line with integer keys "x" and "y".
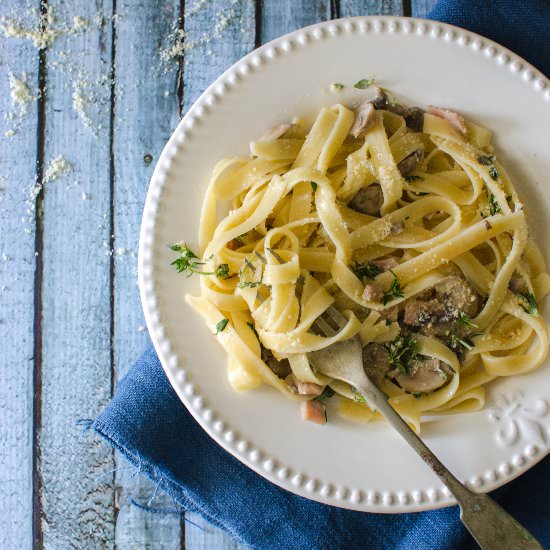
{"x": 400, "y": 217}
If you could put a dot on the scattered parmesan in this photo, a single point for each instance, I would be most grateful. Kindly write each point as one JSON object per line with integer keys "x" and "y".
{"x": 45, "y": 32}
{"x": 58, "y": 167}
{"x": 20, "y": 93}
{"x": 177, "y": 38}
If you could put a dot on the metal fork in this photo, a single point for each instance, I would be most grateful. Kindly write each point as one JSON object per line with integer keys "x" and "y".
{"x": 490, "y": 525}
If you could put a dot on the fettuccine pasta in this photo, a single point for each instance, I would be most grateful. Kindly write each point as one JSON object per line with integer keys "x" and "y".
{"x": 404, "y": 220}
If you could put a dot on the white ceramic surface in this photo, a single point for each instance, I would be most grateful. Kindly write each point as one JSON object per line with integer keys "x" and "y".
{"x": 366, "y": 468}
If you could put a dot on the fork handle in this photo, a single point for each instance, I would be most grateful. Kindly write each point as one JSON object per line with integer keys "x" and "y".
{"x": 490, "y": 525}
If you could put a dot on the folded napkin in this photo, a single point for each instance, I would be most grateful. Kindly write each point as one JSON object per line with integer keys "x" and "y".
{"x": 148, "y": 424}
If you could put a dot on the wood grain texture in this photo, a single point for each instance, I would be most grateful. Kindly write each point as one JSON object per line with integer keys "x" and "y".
{"x": 349, "y": 8}
{"x": 17, "y": 265}
{"x": 146, "y": 109}
{"x": 279, "y": 17}
{"x": 210, "y": 52}
{"x": 421, "y": 8}
{"x": 77, "y": 497}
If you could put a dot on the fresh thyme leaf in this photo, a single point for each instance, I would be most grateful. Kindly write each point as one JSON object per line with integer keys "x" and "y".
{"x": 338, "y": 85}
{"x": 364, "y": 83}
{"x": 220, "y": 326}
{"x": 328, "y": 392}
{"x": 261, "y": 257}
{"x": 413, "y": 178}
{"x": 253, "y": 329}
{"x": 368, "y": 270}
{"x": 189, "y": 262}
{"x": 394, "y": 291}
{"x": 529, "y": 303}
{"x": 222, "y": 271}
{"x": 249, "y": 284}
{"x": 275, "y": 255}
{"x": 314, "y": 186}
{"x": 464, "y": 319}
{"x": 357, "y": 397}
{"x": 486, "y": 160}
{"x": 417, "y": 394}
{"x": 403, "y": 350}
{"x": 493, "y": 172}
{"x": 249, "y": 264}
{"x": 494, "y": 206}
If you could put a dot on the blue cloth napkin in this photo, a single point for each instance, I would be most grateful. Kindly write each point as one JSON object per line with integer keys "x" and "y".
{"x": 148, "y": 424}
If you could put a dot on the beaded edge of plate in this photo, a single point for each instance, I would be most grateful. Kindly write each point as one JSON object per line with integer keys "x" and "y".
{"x": 368, "y": 500}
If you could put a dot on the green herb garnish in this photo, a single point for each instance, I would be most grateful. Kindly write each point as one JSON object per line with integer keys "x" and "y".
{"x": 364, "y": 83}
{"x": 529, "y": 303}
{"x": 253, "y": 329}
{"x": 493, "y": 172}
{"x": 275, "y": 255}
{"x": 368, "y": 270}
{"x": 220, "y": 326}
{"x": 403, "y": 350}
{"x": 394, "y": 291}
{"x": 189, "y": 262}
{"x": 494, "y": 206}
{"x": 357, "y": 397}
{"x": 249, "y": 284}
{"x": 464, "y": 319}
{"x": 486, "y": 160}
{"x": 338, "y": 85}
{"x": 249, "y": 264}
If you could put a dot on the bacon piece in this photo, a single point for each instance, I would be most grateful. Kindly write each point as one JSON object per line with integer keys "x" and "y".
{"x": 455, "y": 119}
{"x": 386, "y": 264}
{"x": 304, "y": 388}
{"x": 314, "y": 412}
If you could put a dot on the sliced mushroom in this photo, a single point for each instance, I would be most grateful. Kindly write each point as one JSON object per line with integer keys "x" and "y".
{"x": 368, "y": 200}
{"x": 410, "y": 162}
{"x": 385, "y": 264}
{"x": 280, "y": 368}
{"x": 517, "y": 284}
{"x": 364, "y": 119}
{"x": 415, "y": 119}
{"x": 455, "y": 119}
{"x": 414, "y": 116}
{"x": 424, "y": 375}
{"x": 376, "y": 362}
{"x": 457, "y": 296}
{"x": 276, "y": 132}
{"x": 372, "y": 292}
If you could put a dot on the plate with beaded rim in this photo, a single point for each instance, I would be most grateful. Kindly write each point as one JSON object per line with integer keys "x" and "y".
{"x": 361, "y": 467}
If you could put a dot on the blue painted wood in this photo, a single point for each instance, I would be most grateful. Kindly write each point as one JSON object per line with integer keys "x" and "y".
{"x": 17, "y": 264}
{"x": 421, "y": 8}
{"x": 218, "y": 33}
{"x": 350, "y": 8}
{"x": 281, "y": 17}
{"x": 77, "y": 497}
{"x": 146, "y": 110}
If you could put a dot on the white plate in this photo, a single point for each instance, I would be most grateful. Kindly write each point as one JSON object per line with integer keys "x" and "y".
{"x": 366, "y": 468}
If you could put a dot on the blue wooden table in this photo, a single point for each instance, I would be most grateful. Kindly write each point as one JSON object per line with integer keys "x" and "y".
{"x": 89, "y": 93}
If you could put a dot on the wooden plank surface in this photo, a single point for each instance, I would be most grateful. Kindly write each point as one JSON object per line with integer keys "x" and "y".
{"x": 77, "y": 496}
{"x": 217, "y": 34}
{"x": 17, "y": 262}
{"x": 146, "y": 110}
{"x": 349, "y": 8}
{"x": 89, "y": 320}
